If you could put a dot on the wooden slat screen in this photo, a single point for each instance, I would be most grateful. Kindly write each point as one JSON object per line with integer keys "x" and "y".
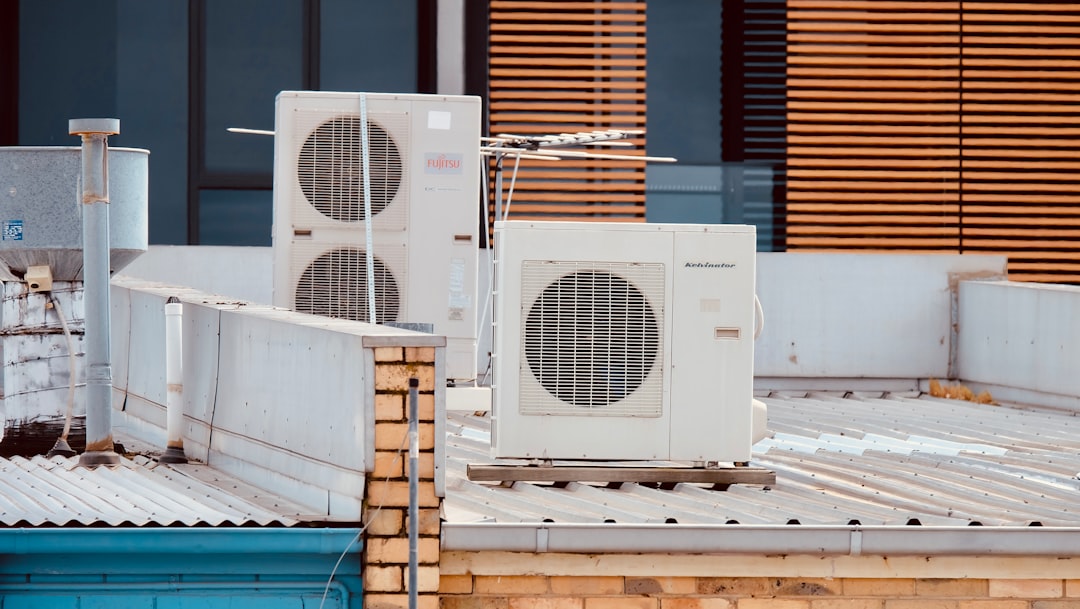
{"x": 937, "y": 126}
{"x": 873, "y": 125}
{"x": 1021, "y": 136}
{"x": 763, "y": 141}
{"x": 567, "y": 66}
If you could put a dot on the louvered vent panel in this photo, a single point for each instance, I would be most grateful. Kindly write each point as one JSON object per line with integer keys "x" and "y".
{"x": 765, "y": 120}
{"x": 1021, "y": 136}
{"x": 873, "y": 125}
{"x": 592, "y": 339}
{"x": 330, "y": 169}
{"x": 332, "y": 281}
{"x": 764, "y": 98}
{"x": 559, "y": 67}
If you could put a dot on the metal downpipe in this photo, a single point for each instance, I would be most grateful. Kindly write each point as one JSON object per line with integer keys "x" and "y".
{"x": 95, "y": 215}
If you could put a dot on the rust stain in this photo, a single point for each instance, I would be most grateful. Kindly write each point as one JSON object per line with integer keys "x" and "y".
{"x": 38, "y": 437}
{"x": 100, "y": 446}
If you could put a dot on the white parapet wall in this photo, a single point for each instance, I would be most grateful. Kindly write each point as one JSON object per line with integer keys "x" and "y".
{"x": 861, "y": 316}
{"x": 243, "y": 273}
{"x": 1022, "y": 341}
{"x": 282, "y": 400}
{"x": 827, "y": 315}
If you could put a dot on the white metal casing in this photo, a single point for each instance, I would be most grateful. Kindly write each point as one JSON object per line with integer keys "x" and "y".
{"x": 565, "y": 293}
{"x": 424, "y": 163}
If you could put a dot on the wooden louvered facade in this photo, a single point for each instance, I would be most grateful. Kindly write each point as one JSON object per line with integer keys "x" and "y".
{"x": 568, "y": 66}
{"x": 936, "y": 126}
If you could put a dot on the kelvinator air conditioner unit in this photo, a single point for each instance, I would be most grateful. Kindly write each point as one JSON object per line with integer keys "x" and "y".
{"x": 623, "y": 341}
{"x": 424, "y": 177}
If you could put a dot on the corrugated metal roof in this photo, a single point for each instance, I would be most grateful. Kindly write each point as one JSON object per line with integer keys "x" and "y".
{"x": 840, "y": 459}
{"x": 40, "y": 491}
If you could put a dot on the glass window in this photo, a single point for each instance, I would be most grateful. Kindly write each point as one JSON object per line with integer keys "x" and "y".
{"x": 254, "y": 49}
{"x": 368, "y": 46}
{"x": 235, "y": 217}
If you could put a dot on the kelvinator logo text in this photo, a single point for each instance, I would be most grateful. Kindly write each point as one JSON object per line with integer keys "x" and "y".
{"x": 710, "y": 265}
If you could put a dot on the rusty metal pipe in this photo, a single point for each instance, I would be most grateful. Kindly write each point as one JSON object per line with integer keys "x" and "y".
{"x": 95, "y": 215}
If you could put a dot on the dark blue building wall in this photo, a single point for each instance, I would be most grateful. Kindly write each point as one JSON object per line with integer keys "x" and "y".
{"x": 178, "y": 72}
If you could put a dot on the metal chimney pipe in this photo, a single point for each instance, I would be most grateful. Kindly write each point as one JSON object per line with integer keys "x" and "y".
{"x": 95, "y": 133}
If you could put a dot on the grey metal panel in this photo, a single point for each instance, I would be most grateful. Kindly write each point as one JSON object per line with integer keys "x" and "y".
{"x": 42, "y": 188}
{"x": 868, "y": 459}
{"x": 139, "y": 492}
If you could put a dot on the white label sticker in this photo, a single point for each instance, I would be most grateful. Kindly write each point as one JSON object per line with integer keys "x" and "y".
{"x": 459, "y": 300}
{"x": 437, "y": 119}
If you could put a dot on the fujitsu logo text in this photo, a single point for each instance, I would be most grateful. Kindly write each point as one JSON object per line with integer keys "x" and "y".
{"x": 442, "y": 162}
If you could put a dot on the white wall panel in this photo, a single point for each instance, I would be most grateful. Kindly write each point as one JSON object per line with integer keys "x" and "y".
{"x": 1021, "y": 335}
{"x": 860, "y": 315}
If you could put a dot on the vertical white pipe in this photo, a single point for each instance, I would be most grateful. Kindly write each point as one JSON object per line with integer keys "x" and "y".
{"x": 174, "y": 380}
{"x": 365, "y": 156}
{"x": 95, "y": 214}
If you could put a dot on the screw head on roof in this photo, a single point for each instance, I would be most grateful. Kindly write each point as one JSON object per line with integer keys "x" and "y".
{"x": 81, "y": 126}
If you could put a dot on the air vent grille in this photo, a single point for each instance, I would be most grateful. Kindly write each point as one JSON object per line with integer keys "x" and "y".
{"x": 592, "y": 338}
{"x": 335, "y": 285}
{"x": 330, "y": 168}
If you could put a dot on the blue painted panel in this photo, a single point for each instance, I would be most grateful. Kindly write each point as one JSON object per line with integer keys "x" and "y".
{"x": 223, "y": 599}
{"x": 229, "y": 567}
{"x": 40, "y": 601}
{"x": 57, "y": 575}
{"x": 247, "y": 601}
{"x": 116, "y": 601}
{"x": 125, "y": 541}
{"x": 179, "y": 568}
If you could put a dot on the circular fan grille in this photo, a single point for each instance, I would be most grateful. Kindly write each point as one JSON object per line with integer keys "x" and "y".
{"x": 331, "y": 169}
{"x": 591, "y": 338}
{"x": 335, "y": 285}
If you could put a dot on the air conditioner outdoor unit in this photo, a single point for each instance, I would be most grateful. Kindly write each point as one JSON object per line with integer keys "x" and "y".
{"x": 623, "y": 341}
{"x": 424, "y": 180}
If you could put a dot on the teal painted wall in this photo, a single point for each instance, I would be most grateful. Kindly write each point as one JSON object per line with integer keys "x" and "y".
{"x": 181, "y": 568}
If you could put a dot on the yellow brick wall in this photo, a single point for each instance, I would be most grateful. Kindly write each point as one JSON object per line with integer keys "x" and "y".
{"x": 450, "y": 580}
{"x": 386, "y": 501}
{"x": 470, "y": 591}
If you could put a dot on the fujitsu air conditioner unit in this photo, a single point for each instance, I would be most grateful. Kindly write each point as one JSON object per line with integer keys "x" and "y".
{"x": 423, "y": 160}
{"x": 623, "y": 341}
